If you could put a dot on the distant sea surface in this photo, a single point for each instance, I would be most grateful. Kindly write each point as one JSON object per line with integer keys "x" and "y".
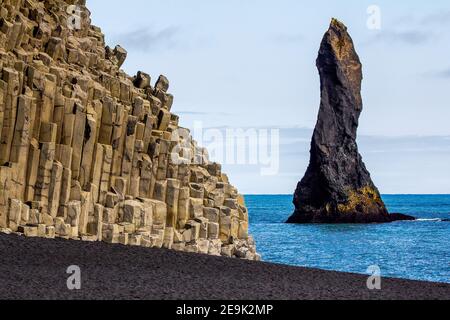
{"x": 417, "y": 250}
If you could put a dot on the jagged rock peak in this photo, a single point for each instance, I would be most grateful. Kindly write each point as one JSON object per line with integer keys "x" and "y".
{"x": 337, "y": 186}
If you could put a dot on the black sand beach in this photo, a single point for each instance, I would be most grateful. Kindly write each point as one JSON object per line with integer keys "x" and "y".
{"x": 36, "y": 269}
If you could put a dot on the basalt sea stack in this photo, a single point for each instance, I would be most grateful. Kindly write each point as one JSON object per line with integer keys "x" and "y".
{"x": 337, "y": 187}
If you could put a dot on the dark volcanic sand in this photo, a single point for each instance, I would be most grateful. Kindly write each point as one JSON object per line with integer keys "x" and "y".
{"x": 36, "y": 269}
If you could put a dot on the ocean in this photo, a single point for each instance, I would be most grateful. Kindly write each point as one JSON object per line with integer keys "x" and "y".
{"x": 417, "y": 250}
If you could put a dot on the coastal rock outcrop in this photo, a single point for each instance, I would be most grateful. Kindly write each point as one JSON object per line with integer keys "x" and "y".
{"x": 88, "y": 152}
{"x": 337, "y": 188}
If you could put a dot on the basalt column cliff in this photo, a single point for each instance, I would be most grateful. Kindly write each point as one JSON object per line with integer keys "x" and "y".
{"x": 90, "y": 153}
{"x": 337, "y": 188}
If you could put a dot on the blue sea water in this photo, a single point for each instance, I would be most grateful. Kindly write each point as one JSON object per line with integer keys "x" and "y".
{"x": 418, "y": 250}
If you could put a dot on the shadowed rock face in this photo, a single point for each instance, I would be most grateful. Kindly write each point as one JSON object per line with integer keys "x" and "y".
{"x": 337, "y": 187}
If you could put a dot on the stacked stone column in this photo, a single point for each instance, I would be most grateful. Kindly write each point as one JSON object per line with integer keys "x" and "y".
{"x": 88, "y": 152}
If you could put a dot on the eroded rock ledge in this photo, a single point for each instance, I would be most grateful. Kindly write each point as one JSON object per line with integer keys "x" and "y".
{"x": 88, "y": 152}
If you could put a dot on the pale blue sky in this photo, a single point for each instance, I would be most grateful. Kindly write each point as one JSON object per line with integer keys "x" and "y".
{"x": 252, "y": 64}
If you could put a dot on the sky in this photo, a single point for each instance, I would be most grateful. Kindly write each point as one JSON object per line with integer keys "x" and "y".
{"x": 251, "y": 64}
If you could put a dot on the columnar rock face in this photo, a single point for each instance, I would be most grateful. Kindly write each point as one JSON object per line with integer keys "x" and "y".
{"x": 90, "y": 153}
{"x": 337, "y": 188}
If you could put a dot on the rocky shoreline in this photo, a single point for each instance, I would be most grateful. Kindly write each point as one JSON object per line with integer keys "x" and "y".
{"x": 35, "y": 268}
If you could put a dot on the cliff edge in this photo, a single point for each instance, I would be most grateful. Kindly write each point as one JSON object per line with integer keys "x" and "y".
{"x": 88, "y": 152}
